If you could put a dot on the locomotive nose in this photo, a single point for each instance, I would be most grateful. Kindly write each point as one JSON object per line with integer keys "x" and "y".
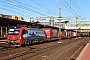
{"x": 13, "y": 37}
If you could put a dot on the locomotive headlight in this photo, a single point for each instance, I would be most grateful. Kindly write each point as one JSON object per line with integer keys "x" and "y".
{"x": 8, "y": 37}
{"x": 20, "y": 37}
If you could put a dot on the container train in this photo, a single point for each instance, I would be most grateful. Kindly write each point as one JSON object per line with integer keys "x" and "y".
{"x": 20, "y": 35}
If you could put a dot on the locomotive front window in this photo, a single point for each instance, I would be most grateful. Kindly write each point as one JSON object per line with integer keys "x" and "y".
{"x": 14, "y": 31}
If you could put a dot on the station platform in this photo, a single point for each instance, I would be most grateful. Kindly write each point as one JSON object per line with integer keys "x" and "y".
{"x": 3, "y": 40}
{"x": 85, "y": 54}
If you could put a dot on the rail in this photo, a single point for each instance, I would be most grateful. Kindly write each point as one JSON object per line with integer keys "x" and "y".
{"x": 75, "y": 55}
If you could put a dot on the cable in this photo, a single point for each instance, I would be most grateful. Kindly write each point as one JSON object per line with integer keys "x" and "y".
{"x": 70, "y": 7}
{"x": 81, "y": 21}
{"x": 42, "y": 6}
{"x": 16, "y": 9}
{"x": 20, "y": 6}
{"x": 79, "y": 8}
{"x": 79, "y": 11}
{"x": 67, "y": 8}
{"x": 14, "y": 12}
{"x": 75, "y": 6}
{"x": 26, "y": 8}
{"x": 32, "y": 7}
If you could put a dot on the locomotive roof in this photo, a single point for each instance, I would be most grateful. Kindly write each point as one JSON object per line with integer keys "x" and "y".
{"x": 34, "y": 29}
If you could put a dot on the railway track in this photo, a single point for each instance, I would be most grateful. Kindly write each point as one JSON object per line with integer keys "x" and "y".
{"x": 75, "y": 55}
{"x": 6, "y": 48}
{"x": 70, "y": 56}
{"x": 33, "y": 53}
{"x": 30, "y": 54}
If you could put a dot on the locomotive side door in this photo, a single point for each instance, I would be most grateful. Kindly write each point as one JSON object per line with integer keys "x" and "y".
{"x": 25, "y": 35}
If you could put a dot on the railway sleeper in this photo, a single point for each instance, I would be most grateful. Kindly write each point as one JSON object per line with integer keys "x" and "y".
{"x": 75, "y": 55}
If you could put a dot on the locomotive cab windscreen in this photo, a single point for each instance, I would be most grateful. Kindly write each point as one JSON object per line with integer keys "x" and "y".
{"x": 14, "y": 31}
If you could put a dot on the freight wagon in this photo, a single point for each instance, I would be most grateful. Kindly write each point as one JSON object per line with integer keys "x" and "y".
{"x": 51, "y": 33}
{"x": 63, "y": 35}
{"x": 69, "y": 34}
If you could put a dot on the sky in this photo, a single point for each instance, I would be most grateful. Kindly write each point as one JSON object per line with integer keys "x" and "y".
{"x": 41, "y": 8}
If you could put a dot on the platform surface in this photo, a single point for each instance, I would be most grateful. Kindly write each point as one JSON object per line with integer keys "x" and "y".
{"x": 85, "y": 54}
{"x": 3, "y": 40}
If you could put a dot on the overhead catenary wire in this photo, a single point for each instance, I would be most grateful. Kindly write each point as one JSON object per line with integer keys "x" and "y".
{"x": 13, "y": 12}
{"x": 67, "y": 8}
{"x": 36, "y": 8}
{"x": 79, "y": 8}
{"x": 76, "y": 8}
{"x": 9, "y": 10}
{"x": 24, "y": 13}
{"x": 49, "y": 12}
{"x": 13, "y": 8}
{"x": 44, "y": 7}
{"x": 20, "y": 7}
{"x": 82, "y": 21}
{"x": 71, "y": 8}
{"x": 26, "y": 8}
